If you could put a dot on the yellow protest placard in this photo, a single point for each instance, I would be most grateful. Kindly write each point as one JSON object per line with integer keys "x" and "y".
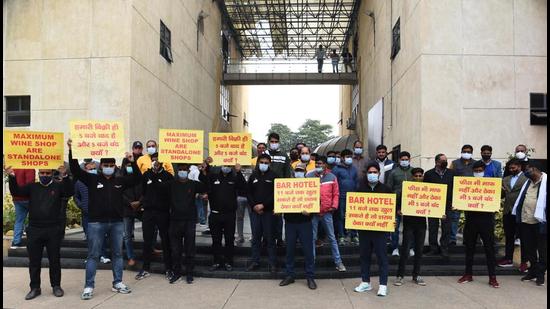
{"x": 421, "y": 199}
{"x": 181, "y": 146}
{"x": 477, "y": 193}
{"x": 32, "y": 150}
{"x": 370, "y": 211}
{"x": 294, "y": 195}
{"x": 230, "y": 148}
{"x": 97, "y": 139}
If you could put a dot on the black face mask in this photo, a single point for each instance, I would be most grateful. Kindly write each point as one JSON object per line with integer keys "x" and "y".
{"x": 443, "y": 164}
{"x": 486, "y": 157}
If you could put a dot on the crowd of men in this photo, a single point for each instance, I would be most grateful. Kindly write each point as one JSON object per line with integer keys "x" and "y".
{"x": 170, "y": 200}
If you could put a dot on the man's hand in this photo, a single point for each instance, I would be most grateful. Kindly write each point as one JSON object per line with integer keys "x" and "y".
{"x": 62, "y": 170}
{"x": 399, "y": 213}
{"x": 259, "y": 209}
{"x": 135, "y": 205}
{"x": 331, "y": 209}
{"x": 237, "y": 168}
{"x": 70, "y": 143}
{"x": 305, "y": 213}
{"x": 9, "y": 171}
{"x": 130, "y": 157}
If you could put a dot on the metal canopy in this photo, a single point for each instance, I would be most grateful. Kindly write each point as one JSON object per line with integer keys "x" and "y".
{"x": 289, "y": 29}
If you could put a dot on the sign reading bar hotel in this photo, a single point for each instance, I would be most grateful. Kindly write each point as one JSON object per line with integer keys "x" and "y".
{"x": 295, "y": 195}
{"x": 370, "y": 211}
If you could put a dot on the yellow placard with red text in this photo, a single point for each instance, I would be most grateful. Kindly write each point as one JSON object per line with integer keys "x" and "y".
{"x": 295, "y": 195}
{"x": 422, "y": 199}
{"x": 477, "y": 193}
{"x": 370, "y": 211}
{"x": 97, "y": 139}
{"x": 230, "y": 148}
{"x": 181, "y": 146}
{"x": 32, "y": 150}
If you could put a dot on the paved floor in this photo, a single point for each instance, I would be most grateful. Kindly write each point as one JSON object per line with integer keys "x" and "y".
{"x": 155, "y": 292}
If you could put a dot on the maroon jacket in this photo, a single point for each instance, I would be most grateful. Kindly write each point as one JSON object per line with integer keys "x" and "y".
{"x": 23, "y": 177}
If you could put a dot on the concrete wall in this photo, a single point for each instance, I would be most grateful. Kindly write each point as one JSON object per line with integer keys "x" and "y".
{"x": 463, "y": 75}
{"x": 100, "y": 59}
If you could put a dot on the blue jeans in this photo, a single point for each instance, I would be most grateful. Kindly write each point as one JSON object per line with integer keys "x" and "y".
{"x": 21, "y": 211}
{"x": 262, "y": 225}
{"x": 129, "y": 236}
{"x": 328, "y": 226}
{"x": 301, "y": 231}
{"x": 369, "y": 241}
{"x": 341, "y": 224}
{"x": 395, "y": 235}
{"x": 97, "y": 231}
{"x": 199, "y": 203}
{"x": 84, "y": 217}
{"x": 455, "y": 218}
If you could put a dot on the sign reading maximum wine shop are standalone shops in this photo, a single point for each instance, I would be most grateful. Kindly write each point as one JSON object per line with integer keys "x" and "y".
{"x": 181, "y": 146}
{"x": 370, "y": 211}
{"x": 28, "y": 149}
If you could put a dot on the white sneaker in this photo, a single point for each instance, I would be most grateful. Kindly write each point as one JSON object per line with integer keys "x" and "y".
{"x": 395, "y": 252}
{"x": 411, "y": 253}
{"x": 121, "y": 288}
{"x": 382, "y": 290}
{"x": 363, "y": 287}
{"x": 104, "y": 260}
{"x": 517, "y": 242}
{"x": 87, "y": 294}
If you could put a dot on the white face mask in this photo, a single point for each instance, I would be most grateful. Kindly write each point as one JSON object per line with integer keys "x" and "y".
{"x": 299, "y": 174}
{"x": 404, "y": 163}
{"x": 274, "y": 146}
{"x": 466, "y": 156}
{"x": 521, "y": 155}
{"x": 151, "y": 150}
{"x": 480, "y": 174}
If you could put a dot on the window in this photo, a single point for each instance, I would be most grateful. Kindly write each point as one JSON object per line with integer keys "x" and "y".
{"x": 225, "y": 100}
{"x": 352, "y": 121}
{"x": 396, "y": 39}
{"x": 18, "y": 111}
{"x": 165, "y": 43}
{"x": 539, "y": 109}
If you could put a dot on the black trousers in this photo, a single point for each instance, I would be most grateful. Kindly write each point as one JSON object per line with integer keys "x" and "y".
{"x": 414, "y": 231}
{"x": 37, "y": 239}
{"x": 511, "y": 232}
{"x": 161, "y": 220}
{"x": 535, "y": 248}
{"x": 182, "y": 239}
{"x": 433, "y": 226}
{"x": 222, "y": 226}
{"x": 480, "y": 224}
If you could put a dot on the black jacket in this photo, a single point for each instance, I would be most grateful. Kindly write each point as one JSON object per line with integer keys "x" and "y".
{"x": 132, "y": 194}
{"x": 379, "y": 188}
{"x": 156, "y": 194}
{"x": 182, "y": 198}
{"x": 104, "y": 195}
{"x": 223, "y": 191}
{"x": 432, "y": 176}
{"x": 261, "y": 189}
{"x": 45, "y": 202}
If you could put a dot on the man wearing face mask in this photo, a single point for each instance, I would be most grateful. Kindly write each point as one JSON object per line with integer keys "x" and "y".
{"x": 223, "y": 189}
{"x": 347, "y": 176}
{"x": 359, "y": 161}
{"x": 305, "y": 158}
{"x": 386, "y": 165}
{"x": 260, "y": 149}
{"x": 441, "y": 175}
{"x": 492, "y": 168}
{"x": 156, "y": 213}
{"x": 144, "y": 162}
{"x": 45, "y": 198}
{"x": 260, "y": 198}
{"x": 106, "y": 213}
{"x": 183, "y": 220}
{"x": 530, "y": 211}
{"x": 298, "y": 227}
{"x": 133, "y": 208}
{"x": 511, "y": 187}
{"x": 330, "y": 197}
{"x": 394, "y": 180}
{"x": 280, "y": 166}
{"x": 520, "y": 153}
{"x": 479, "y": 224}
{"x": 331, "y": 160}
{"x": 462, "y": 166}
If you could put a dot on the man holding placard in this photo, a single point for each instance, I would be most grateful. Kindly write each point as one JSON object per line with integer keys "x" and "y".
{"x": 480, "y": 222}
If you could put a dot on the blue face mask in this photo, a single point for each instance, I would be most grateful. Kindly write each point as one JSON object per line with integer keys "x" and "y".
{"x": 226, "y": 169}
{"x": 93, "y": 171}
{"x": 108, "y": 171}
{"x": 358, "y": 151}
{"x": 183, "y": 174}
{"x": 404, "y": 163}
{"x": 331, "y": 160}
{"x": 129, "y": 170}
{"x": 263, "y": 167}
{"x": 45, "y": 180}
{"x": 299, "y": 174}
{"x": 372, "y": 178}
{"x": 305, "y": 157}
{"x": 319, "y": 170}
{"x": 338, "y": 160}
{"x": 348, "y": 161}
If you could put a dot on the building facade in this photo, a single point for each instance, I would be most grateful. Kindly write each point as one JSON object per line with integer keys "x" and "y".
{"x": 150, "y": 64}
{"x": 437, "y": 74}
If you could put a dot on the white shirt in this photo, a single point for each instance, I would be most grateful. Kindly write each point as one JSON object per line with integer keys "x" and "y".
{"x": 514, "y": 179}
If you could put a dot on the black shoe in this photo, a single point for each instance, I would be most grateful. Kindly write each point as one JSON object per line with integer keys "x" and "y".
{"x": 33, "y": 293}
{"x": 540, "y": 281}
{"x": 528, "y": 277}
{"x": 311, "y": 284}
{"x": 281, "y": 243}
{"x": 273, "y": 269}
{"x": 175, "y": 278}
{"x": 189, "y": 279}
{"x": 253, "y": 266}
{"x": 215, "y": 267}
{"x": 58, "y": 291}
{"x": 287, "y": 281}
{"x": 452, "y": 244}
{"x": 228, "y": 267}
